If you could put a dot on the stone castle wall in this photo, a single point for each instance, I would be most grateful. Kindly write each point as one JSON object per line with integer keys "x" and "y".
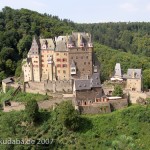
{"x": 103, "y": 107}
{"x": 53, "y": 86}
{"x": 118, "y": 104}
{"x": 96, "y": 108}
{"x": 133, "y": 96}
{"x": 59, "y": 86}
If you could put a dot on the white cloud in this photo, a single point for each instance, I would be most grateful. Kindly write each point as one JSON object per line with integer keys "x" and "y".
{"x": 129, "y": 7}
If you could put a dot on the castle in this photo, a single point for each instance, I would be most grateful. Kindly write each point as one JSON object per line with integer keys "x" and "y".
{"x": 63, "y": 58}
{"x": 68, "y": 64}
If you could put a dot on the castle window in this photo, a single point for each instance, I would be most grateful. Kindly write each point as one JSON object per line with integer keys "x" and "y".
{"x": 58, "y": 65}
{"x": 84, "y": 63}
{"x": 57, "y": 54}
{"x": 89, "y": 63}
{"x": 87, "y": 57}
{"x": 64, "y": 59}
{"x": 42, "y": 60}
{"x": 58, "y": 59}
{"x": 64, "y": 65}
{"x": 64, "y": 71}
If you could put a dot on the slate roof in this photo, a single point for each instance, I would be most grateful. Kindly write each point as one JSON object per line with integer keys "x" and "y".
{"x": 84, "y": 38}
{"x": 8, "y": 80}
{"x": 137, "y": 73}
{"x": 95, "y": 80}
{"x": 34, "y": 47}
{"x": 82, "y": 84}
{"x": 61, "y": 46}
{"x": 87, "y": 84}
{"x": 72, "y": 64}
{"x": 50, "y": 43}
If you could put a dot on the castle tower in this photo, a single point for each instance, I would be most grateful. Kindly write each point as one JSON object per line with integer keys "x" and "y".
{"x": 34, "y": 55}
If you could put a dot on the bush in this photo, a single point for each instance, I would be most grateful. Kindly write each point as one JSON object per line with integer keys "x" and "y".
{"x": 117, "y": 91}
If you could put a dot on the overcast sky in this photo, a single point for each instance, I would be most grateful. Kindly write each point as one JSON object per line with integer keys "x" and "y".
{"x": 87, "y": 11}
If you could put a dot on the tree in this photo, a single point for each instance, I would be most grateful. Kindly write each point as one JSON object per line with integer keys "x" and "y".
{"x": 68, "y": 115}
{"x": 117, "y": 91}
{"x": 146, "y": 78}
{"x": 18, "y": 69}
{"x": 32, "y": 110}
{"x": 24, "y": 44}
{"x": 2, "y": 75}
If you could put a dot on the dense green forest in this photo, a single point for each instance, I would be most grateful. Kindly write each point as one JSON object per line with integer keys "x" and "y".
{"x": 126, "y": 129}
{"x": 131, "y": 37}
{"x": 127, "y": 43}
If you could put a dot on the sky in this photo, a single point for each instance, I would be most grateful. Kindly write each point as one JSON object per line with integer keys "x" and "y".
{"x": 87, "y": 11}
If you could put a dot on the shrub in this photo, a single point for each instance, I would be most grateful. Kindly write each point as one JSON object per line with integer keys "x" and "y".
{"x": 117, "y": 91}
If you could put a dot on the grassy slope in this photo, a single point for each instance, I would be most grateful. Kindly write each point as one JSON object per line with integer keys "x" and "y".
{"x": 96, "y": 131}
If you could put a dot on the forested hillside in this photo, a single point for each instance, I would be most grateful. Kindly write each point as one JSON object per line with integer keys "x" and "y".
{"x": 108, "y": 57}
{"x": 17, "y": 28}
{"x": 127, "y": 37}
